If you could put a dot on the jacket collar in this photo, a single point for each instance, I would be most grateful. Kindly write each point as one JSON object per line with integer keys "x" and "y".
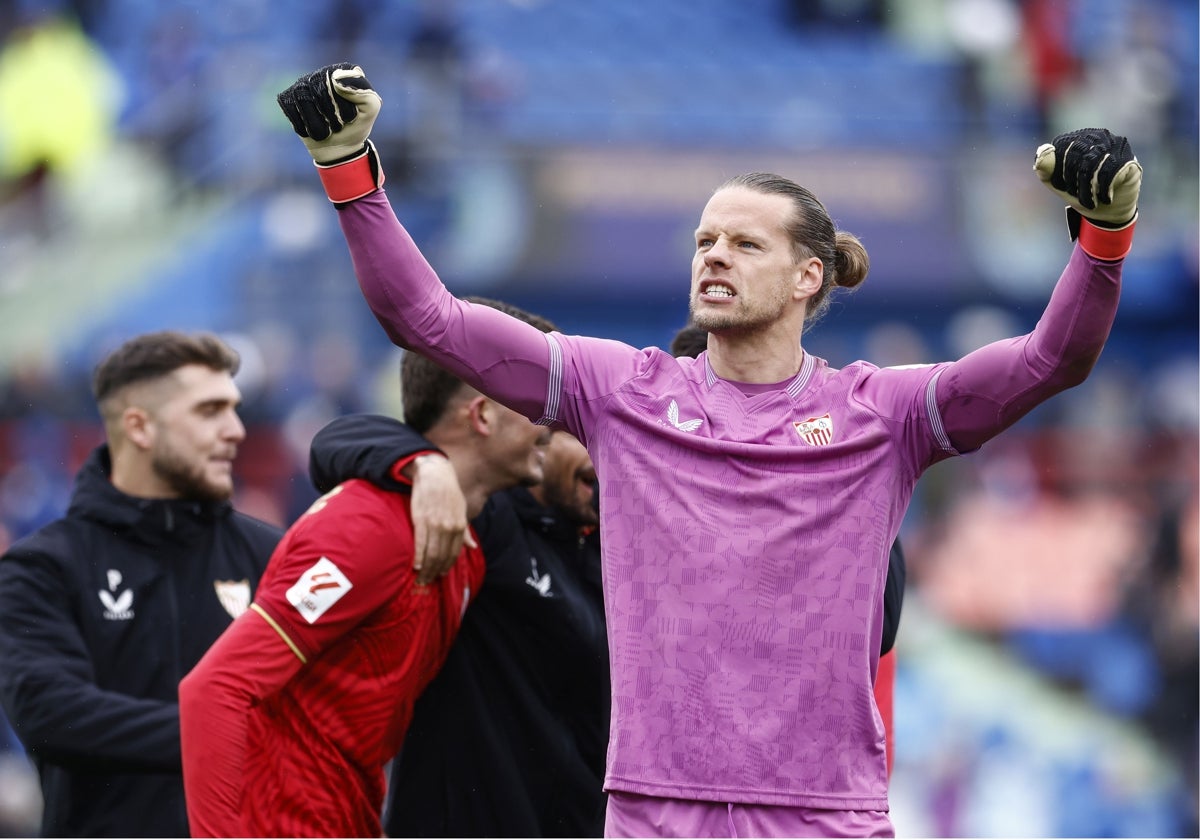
{"x": 142, "y": 520}
{"x": 547, "y": 520}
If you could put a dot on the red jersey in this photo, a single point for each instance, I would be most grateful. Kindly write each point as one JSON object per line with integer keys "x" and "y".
{"x": 289, "y": 719}
{"x": 885, "y": 691}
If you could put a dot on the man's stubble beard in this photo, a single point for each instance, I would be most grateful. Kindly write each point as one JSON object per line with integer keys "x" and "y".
{"x": 570, "y": 505}
{"x": 740, "y": 321}
{"x": 187, "y": 480}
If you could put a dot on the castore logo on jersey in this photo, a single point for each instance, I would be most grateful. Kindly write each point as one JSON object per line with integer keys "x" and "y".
{"x": 685, "y": 425}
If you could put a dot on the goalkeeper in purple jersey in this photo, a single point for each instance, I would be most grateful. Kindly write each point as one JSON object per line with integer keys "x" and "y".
{"x": 749, "y": 496}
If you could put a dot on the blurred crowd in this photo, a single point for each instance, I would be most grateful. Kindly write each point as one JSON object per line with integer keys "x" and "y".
{"x": 1066, "y": 553}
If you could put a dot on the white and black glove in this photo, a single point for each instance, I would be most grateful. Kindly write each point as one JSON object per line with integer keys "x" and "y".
{"x": 1095, "y": 172}
{"x": 333, "y": 110}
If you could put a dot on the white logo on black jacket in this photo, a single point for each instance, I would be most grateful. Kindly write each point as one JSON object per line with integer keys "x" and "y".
{"x": 116, "y": 607}
{"x": 539, "y": 582}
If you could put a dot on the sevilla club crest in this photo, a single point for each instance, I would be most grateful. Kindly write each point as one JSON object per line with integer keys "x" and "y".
{"x": 815, "y": 431}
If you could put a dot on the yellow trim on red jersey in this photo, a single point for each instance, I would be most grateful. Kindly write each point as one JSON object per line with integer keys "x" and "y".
{"x": 279, "y": 630}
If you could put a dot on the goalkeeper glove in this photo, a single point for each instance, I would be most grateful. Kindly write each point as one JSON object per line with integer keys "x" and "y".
{"x": 333, "y": 109}
{"x": 1095, "y": 172}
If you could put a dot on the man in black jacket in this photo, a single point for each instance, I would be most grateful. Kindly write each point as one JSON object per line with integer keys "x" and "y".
{"x": 103, "y": 612}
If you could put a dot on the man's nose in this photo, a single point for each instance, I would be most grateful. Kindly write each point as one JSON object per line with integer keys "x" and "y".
{"x": 718, "y": 254}
{"x": 235, "y": 429}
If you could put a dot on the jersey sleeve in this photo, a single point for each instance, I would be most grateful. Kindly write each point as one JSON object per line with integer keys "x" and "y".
{"x": 497, "y": 354}
{"x": 347, "y": 556}
{"x": 550, "y": 378}
{"x": 949, "y": 408}
{"x": 905, "y": 399}
{"x": 585, "y": 373}
{"x": 993, "y": 387}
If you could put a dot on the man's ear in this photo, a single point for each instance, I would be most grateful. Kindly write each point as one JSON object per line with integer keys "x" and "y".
{"x": 480, "y": 415}
{"x": 810, "y": 274}
{"x": 137, "y": 428}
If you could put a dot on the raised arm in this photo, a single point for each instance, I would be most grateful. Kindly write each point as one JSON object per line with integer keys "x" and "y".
{"x": 988, "y": 390}
{"x": 333, "y": 110}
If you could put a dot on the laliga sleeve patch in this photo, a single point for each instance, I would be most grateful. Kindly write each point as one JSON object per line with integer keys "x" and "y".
{"x": 318, "y": 589}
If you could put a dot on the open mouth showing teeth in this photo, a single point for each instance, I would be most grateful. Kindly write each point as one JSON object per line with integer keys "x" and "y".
{"x": 718, "y": 290}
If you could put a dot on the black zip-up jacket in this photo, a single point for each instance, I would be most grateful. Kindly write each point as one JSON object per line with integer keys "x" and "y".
{"x": 509, "y": 739}
{"x": 102, "y": 613}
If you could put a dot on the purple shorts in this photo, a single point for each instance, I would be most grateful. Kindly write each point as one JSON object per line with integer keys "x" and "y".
{"x": 634, "y": 815}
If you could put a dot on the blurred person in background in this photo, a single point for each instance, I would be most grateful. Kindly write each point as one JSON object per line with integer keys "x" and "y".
{"x": 104, "y": 610}
{"x": 1163, "y": 608}
{"x": 47, "y": 138}
{"x": 291, "y": 717}
{"x": 691, "y": 341}
{"x": 20, "y": 799}
{"x": 749, "y": 499}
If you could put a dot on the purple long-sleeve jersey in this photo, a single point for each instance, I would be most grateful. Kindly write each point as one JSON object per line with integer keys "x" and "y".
{"x": 745, "y": 529}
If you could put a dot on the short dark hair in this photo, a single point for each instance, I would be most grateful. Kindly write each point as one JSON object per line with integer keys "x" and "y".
{"x": 153, "y": 355}
{"x": 689, "y": 341}
{"x": 426, "y": 388}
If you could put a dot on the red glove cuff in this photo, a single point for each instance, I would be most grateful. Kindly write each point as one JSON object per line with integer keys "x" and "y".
{"x": 354, "y": 178}
{"x": 1106, "y": 243}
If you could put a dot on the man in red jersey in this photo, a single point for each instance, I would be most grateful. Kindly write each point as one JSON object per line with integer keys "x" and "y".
{"x": 289, "y": 719}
